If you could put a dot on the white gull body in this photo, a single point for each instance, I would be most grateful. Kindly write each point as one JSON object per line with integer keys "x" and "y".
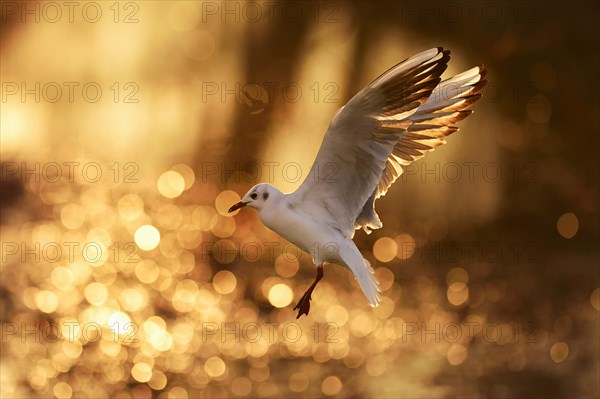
{"x": 400, "y": 116}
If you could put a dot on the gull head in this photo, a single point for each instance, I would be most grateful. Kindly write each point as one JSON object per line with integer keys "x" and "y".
{"x": 258, "y": 197}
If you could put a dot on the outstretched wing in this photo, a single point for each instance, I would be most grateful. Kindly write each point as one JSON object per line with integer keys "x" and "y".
{"x": 363, "y": 135}
{"x": 432, "y": 122}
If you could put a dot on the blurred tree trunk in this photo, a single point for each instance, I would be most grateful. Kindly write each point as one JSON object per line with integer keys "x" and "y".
{"x": 272, "y": 56}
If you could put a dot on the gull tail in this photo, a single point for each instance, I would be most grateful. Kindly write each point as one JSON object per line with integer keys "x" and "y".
{"x": 370, "y": 285}
{"x": 364, "y": 273}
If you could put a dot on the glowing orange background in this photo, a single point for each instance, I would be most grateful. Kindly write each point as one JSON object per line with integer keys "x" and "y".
{"x": 166, "y": 295}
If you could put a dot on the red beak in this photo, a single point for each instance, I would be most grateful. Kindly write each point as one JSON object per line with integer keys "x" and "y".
{"x": 237, "y": 206}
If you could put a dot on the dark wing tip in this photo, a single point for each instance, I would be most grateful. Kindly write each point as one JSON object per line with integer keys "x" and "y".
{"x": 482, "y": 71}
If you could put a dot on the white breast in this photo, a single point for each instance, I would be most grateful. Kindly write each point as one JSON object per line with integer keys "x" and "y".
{"x": 317, "y": 239}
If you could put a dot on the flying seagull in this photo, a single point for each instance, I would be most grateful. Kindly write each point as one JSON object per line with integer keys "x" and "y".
{"x": 395, "y": 120}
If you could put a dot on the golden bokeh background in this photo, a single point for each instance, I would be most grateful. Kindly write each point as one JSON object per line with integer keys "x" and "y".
{"x": 129, "y": 128}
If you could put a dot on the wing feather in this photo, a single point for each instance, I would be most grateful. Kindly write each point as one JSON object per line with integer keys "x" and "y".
{"x": 432, "y": 122}
{"x": 363, "y": 135}
{"x": 394, "y": 121}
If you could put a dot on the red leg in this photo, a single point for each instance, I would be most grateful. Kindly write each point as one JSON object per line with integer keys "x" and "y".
{"x": 304, "y": 303}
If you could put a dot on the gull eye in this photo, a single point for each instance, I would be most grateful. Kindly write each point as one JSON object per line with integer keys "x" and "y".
{"x": 253, "y": 195}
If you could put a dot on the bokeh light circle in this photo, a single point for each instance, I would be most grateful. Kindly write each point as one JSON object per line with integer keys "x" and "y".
{"x": 331, "y": 385}
{"x": 385, "y": 249}
{"x": 559, "y": 352}
{"x": 224, "y": 282}
{"x": 214, "y": 366}
{"x": 170, "y": 184}
{"x": 280, "y": 295}
{"x": 567, "y": 225}
{"x": 147, "y": 237}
